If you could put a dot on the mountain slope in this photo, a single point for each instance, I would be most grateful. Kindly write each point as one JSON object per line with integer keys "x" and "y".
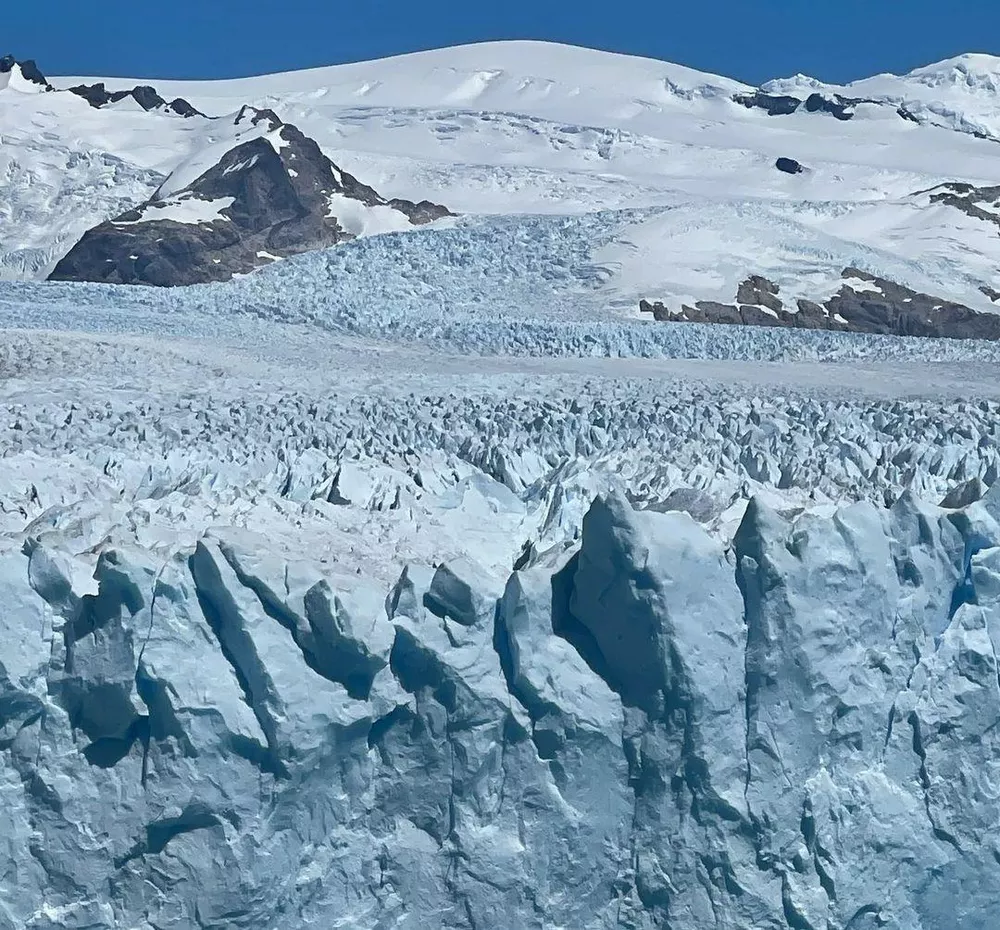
{"x": 534, "y": 78}
{"x": 534, "y": 128}
{"x": 959, "y": 93}
{"x": 273, "y": 195}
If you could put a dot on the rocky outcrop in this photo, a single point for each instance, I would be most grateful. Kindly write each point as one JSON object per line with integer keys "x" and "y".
{"x": 26, "y": 69}
{"x": 841, "y": 108}
{"x": 771, "y": 104}
{"x": 642, "y": 729}
{"x": 865, "y": 303}
{"x": 269, "y": 197}
{"x": 97, "y": 95}
{"x": 981, "y": 203}
{"x": 789, "y": 166}
{"x": 835, "y": 105}
{"x": 254, "y": 116}
{"x": 758, "y": 291}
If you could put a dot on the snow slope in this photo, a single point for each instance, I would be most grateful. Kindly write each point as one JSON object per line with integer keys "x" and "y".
{"x": 538, "y": 78}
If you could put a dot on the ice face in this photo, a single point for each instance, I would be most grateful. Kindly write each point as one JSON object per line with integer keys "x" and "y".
{"x": 799, "y": 722}
{"x": 255, "y": 603}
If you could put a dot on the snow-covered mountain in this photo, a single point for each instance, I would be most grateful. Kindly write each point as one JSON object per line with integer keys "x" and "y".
{"x": 272, "y": 194}
{"x": 958, "y": 93}
{"x": 527, "y": 127}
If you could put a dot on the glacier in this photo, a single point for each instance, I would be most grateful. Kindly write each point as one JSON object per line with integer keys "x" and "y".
{"x": 537, "y": 285}
{"x": 643, "y": 727}
{"x": 422, "y": 583}
{"x": 535, "y": 649}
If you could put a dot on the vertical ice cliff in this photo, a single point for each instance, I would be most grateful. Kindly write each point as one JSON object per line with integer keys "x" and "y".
{"x": 641, "y": 729}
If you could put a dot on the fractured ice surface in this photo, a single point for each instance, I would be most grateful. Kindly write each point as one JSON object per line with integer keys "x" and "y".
{"x": 267, "y": 661}
{"x": 647, "y": 728}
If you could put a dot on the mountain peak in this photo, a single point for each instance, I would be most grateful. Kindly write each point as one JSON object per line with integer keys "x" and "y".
{"x": 22, "y": 75}
{"x": 973, "y": 71}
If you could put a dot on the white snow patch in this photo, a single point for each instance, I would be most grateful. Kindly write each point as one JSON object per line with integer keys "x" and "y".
{"x": 993, "y": 208}
{"x": 359, "y": 219}
{"x": 183, "y": 209}
{"x": 862, "y": 285}
{"x": 243, "y": 165}
{"x": 277, "y": 140}
{"x": 15, "y": 81}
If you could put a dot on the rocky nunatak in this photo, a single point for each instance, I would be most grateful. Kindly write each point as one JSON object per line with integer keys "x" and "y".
{"x": 865, "y": 303}
{"x": 27, "y": 69}
{"x": 98, "y": 96}
{"x": 274, "y": 195}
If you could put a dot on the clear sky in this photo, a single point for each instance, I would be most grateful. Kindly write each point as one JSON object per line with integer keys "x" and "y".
{"x": 747, "y": 39}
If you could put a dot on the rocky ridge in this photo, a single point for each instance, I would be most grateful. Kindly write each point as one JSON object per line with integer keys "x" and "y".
{"x": 27, "y": 70}
{"x": 834, "y": 104}
{"x": 97, "y": 95}
{"x": 269, "y": 197}
{"x": 865, "y": 303}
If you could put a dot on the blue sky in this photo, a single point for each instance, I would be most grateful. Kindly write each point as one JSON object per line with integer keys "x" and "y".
{"x": 748, "y": 39}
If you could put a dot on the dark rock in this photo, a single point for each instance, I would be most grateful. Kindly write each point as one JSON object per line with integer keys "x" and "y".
{"x": 758, "y": 291}
{"x": 31, "y": 73}
{"x": 659, "y": 312}
{"x": 182, "y": 108}
{"x": 952, "y": 187}
{"x": 840, "y": 107}
{"x": 97, "y": 95}
{"x": 29, "y": 70}
{"x": 990, "y": 292}
{"x": 897, "y": 310}
{"x": 708, "y": 311}
{"x": 753, "y": 315}
{"x": 772, "y": 105}
{"x": 147, "y": 97}
{"x": 271, "y": 204}
{"x": 253, "y": 116}
{"x": 886, "y": 308}
{"x": 789, "y": 166}
{"x": 981, "y": 203}
{"x": 812, "y": 315}
{"x": 420, "y": 213}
